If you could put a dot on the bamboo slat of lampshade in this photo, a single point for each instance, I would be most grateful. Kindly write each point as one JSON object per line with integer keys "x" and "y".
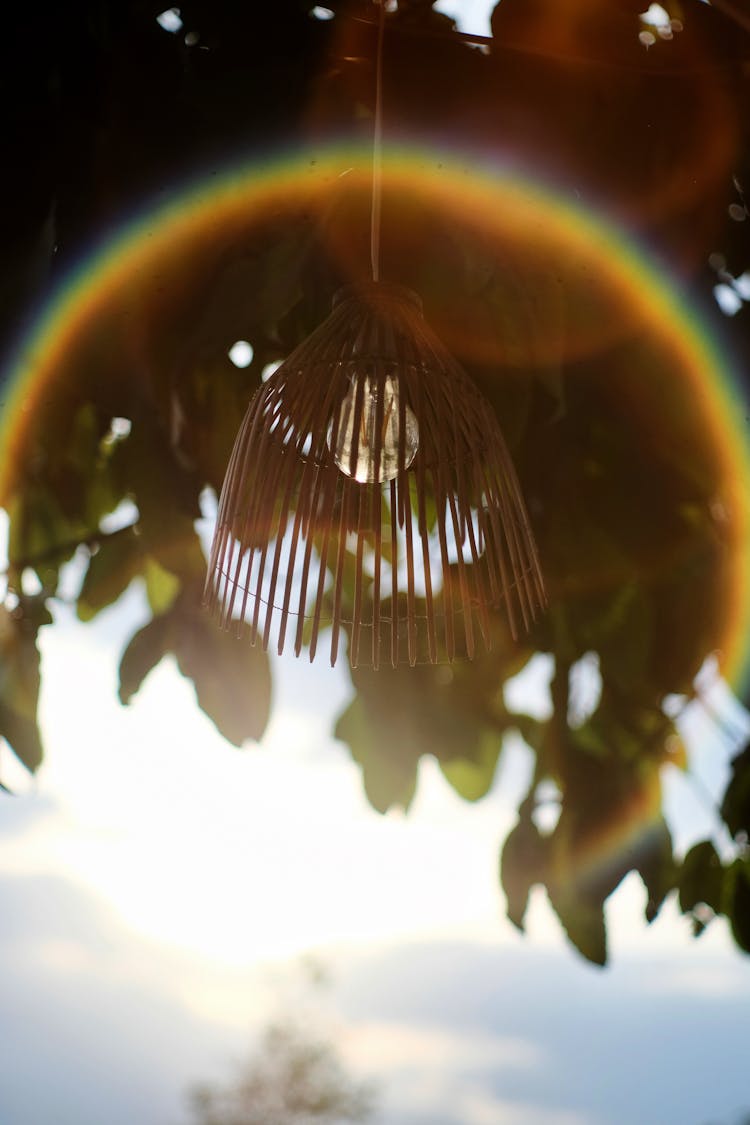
{"x": 370, "y": 490}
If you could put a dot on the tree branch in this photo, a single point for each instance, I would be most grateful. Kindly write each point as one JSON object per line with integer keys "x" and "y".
{"x": 62, "y": 550}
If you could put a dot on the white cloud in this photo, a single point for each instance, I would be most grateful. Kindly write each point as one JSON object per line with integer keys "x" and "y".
{"x": 389, "y": 1048}
{"x": 455, "y": 1033}
{"x": 478, "y": 1107}
{"x": 714, "y": 978}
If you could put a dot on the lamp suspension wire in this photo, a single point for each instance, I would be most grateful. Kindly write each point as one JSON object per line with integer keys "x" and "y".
{"x": 377, "y": 149}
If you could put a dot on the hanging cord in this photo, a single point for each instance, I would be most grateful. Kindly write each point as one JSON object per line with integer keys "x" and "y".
{"x": 377, "y": 150}
{"x": 729, "y": 9}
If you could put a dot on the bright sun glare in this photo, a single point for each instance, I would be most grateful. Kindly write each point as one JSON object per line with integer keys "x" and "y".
{"x": 246, "y": 856}
{"x": 242, "y": 855}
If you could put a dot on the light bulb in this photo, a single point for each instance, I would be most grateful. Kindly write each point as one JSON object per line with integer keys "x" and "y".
{"x": 370, "y": 436}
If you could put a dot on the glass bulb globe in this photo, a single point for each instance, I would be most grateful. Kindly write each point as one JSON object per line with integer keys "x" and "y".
{"x": 369, "y": 437}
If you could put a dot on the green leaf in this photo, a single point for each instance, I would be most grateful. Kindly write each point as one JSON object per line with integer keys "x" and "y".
{"x": 253, "y": 288}
{"x": 166, "y": 496}
{"x": 736, "y": 804}
{"x": 701, "y": 879}
{"x": 583, "y": 921}
{"x": 523, "y": 862}
{"x": 738, "y": 908}
{"x": 39, "y": 534}
{"x": 532, "y": 731}
{"x": 389, "y": 769}
{"x": 232, "y": 678}
{"x": 655, "y": 865}
{"x": 216, "y": 399}
{"x": 162, "y": 587}
{"x": 19, "y": 680}
{"x": 112, "y": 567}
{"x": 22, "y": 734}
{"x": 472, "y": 777}
{"x": 577, "y": 888}
{"x": 143, "y": 652}
{"x": 172, "y": 542}
{"x": 400, "y": 714}
{"x": 625, "y": 640}
{"x": 82, "y": 447}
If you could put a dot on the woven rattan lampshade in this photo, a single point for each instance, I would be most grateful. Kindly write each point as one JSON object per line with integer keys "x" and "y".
{"x": 370, "y": 491}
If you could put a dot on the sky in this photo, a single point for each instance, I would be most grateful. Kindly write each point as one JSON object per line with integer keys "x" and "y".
{"x": 163, "y": 895}
{"x": 472, "y": 16}
{"x": 160, "y": 887}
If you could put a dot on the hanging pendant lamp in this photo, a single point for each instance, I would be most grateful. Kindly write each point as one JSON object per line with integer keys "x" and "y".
{"x": 370, "y": 490}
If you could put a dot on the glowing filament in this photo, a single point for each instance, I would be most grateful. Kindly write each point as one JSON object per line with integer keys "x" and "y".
{"x": 378, "y": 426}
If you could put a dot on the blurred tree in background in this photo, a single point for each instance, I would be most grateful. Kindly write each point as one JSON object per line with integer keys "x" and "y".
{"x": 291, "y": 1079}
{"x": 105, "y": 107}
